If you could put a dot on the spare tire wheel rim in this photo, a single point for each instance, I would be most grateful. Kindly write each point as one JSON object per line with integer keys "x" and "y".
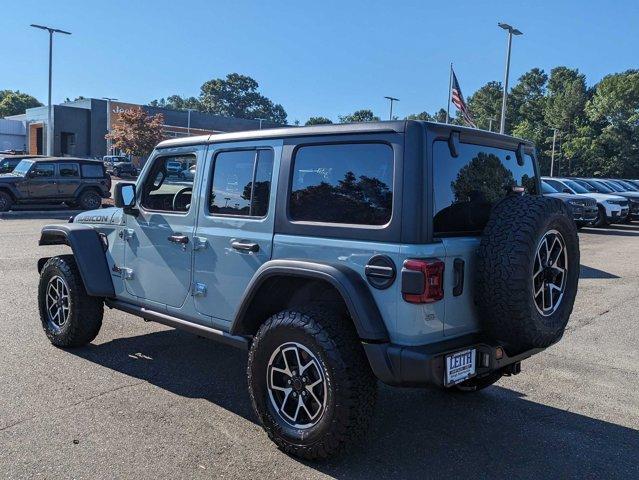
{"x": 58, "y": 302}
{"x": 549, "y": 273}
{"x": 296, "y": 385}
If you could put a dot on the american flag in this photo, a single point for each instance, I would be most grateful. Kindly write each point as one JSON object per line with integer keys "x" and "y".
{"x": 460, "y": 103}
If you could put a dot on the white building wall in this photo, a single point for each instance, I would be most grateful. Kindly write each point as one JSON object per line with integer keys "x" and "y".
{"x": 13, "y": 134}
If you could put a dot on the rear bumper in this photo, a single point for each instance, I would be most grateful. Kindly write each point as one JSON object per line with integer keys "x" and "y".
{"x": 418, "y": 366}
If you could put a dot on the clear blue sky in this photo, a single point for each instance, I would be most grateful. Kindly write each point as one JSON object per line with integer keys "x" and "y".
{"x": 315, "y": 58}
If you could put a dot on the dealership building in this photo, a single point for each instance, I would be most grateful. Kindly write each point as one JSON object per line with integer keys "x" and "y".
{"x": 79, "y": 127}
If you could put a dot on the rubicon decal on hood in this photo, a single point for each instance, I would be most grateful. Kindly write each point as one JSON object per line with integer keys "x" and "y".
{"x": 92, "y": 219}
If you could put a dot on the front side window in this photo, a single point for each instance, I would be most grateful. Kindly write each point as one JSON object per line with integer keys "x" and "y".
{"x": 467, "y": 186}
{"x": 43, "y": 170}
{"x": 69, "y": 170}
{"x": 168, "y": 187}
{"x": 241, "y": 183}
{"x": 343, "y": 183}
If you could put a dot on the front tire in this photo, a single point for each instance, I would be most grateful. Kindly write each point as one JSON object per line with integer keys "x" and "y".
{"x": 69, "y": 316}
{"x": 310, "y": 382}
{"x": 6, "y": 202}
{"x": 601, "y": 221}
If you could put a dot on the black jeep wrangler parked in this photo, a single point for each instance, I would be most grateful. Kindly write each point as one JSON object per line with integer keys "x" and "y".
{"x": 75, "y": 181}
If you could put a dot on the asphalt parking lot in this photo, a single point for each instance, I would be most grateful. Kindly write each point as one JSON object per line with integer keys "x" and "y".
{"x": 145, "y": 401}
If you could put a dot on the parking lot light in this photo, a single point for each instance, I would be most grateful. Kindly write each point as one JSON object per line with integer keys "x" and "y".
{"x": 50, "y": 113}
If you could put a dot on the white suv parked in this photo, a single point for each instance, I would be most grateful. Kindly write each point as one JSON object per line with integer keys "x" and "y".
{"x": 612, "y": 208}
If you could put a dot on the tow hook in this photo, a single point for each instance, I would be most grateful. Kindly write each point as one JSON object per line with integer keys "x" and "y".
{"x": 512, "y": 369}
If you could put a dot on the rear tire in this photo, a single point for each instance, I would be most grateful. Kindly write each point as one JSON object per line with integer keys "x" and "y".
{"x": 337, "y": 409}
{"x": 69, "y": 316}
{"x": 6, "y": 202}
{"x": 90, "y": 200}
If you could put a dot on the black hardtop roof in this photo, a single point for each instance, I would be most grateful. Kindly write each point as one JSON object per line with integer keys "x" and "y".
{"x": 65, "y": 159}
{"x": 396, "y": 126}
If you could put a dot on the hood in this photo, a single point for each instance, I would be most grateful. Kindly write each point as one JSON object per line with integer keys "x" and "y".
{"x": 8, "y": 177}
{"x": 601, "y": 197}
{"x": 101, "y": 216}
{"x": 564, "y": 196}
{"x": 628, "y": 195}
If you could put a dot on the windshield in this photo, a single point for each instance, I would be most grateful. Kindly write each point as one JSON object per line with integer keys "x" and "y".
{"x": 545, "y": 188}
{"x": 22, "y": 168}
{"x": 577, "y": 187}
{"x": 613, "y": 186}
{"x": 600, "y": 187}
{"x": 628, "y": 186}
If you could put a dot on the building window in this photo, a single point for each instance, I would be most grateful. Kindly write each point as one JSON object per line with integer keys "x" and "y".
{"x": 345, "y": 183}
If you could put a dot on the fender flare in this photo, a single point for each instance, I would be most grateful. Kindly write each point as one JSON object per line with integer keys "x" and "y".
{"x": 88, "y": 251}
{"x": 10, "y": 190}
{"x": 348, "y": 283}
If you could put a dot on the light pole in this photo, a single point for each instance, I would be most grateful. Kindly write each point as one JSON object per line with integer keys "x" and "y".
{"x": 490, "y": 124}
{"x": 552, "y": 156}
{"x": 261, "y": 120}
{"x": 511, "y": 31}
{"x": 391, "y": 100}
{"x": 50, "y": 112}
{"x": 109, "y": 100}
{"x": 188, "y": 121}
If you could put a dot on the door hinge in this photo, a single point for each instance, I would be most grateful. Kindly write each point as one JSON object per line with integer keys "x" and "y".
{"x": 127, "y": 234}
{"x": 200, "y": 243}
{"x": 198, "y": 289}
{"x": 127, "y": 273}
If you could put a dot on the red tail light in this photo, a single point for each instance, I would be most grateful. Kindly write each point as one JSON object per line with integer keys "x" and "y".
{"x": 423, "y": 281}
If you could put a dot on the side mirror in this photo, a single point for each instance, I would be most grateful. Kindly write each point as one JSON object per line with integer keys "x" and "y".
{"x": 125, "y": 197}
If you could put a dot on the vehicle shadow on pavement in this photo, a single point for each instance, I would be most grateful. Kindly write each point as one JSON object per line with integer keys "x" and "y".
{"x": 590, "y": 272}
{"x": 415, "y": 433}
{"x": 620, "y": 230}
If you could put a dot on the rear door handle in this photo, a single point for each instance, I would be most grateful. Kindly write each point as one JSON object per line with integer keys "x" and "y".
{"x": 181, "y": 239}
{"x": 245, "y": 246}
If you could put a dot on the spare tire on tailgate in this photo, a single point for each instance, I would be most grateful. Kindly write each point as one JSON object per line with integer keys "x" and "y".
{"x": 527, "y": 271}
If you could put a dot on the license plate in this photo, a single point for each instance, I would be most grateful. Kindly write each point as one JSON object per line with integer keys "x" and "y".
{"x": 460, "y": 366}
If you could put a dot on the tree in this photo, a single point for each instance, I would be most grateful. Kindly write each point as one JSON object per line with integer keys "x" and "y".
{"x": 318, "y": 121}
{"x": 16, "y": 102}
{"x": 138, "y": 133}
{"x": 485, "y": 104}
{"x": 234, "y": 96}
{"x": 237, "y": 96}
{"x": 359, "y": 116}
{"x": 176, "y": 102}
{"x": 439, "y": 116}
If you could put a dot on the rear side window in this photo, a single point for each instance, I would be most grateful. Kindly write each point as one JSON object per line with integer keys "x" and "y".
{"x": 241, "y": 183}
{"x": 344, "y": 183}
{"x": 92, "y": 171}
{"x": 467, "y": 186}
{"x": 69, "y": 170}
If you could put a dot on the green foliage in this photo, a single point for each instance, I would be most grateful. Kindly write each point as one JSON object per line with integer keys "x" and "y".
{"x": 234, "y": 96}
{"x": 485, "y": 104}
{"x": 318, "y": 121}
{"x": 16, "y": 102}
{"x": 359, "y": 116}
{"x": 137, "y": 133}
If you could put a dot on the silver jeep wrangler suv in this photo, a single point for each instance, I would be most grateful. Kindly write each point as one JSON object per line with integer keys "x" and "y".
{"x": 411, "y": 252}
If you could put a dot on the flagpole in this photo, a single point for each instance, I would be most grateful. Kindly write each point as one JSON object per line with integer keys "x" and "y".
{"x": 450, "y": 89}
